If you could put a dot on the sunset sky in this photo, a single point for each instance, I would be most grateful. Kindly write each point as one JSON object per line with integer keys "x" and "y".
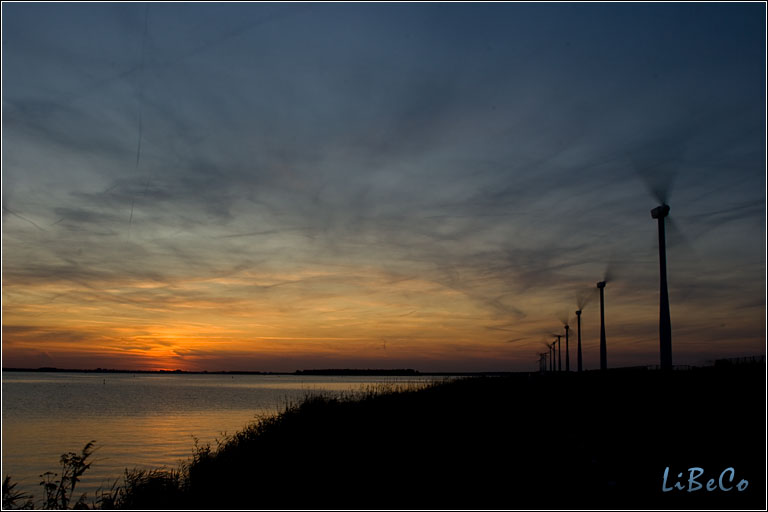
{"x": 283, "y": 186}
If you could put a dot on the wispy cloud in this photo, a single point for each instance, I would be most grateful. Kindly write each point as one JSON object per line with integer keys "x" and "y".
{"x": 447, "y": 169}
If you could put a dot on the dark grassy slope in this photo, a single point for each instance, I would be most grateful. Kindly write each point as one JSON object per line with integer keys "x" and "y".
{"x": 543, "y": 441}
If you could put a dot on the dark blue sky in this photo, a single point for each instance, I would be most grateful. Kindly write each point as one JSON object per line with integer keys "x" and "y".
{"x": 428, "y": 185}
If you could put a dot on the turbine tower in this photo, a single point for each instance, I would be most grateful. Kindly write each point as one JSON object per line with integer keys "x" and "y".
{"x": 665, "y": 326}
{"x": 603, "y": 363}
{"x": 567, "y": 351}
{"x": 559, "y": 354}
{"x": 578, "y": 345}
{"x": 542, "y": 362}
{"x": 551, "y": 357}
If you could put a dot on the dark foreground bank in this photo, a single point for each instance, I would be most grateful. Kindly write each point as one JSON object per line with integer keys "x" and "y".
{"x": 573, "y": 441}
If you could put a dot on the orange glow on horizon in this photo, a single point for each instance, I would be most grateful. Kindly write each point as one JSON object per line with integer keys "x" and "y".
{"x": 208, "y": 323}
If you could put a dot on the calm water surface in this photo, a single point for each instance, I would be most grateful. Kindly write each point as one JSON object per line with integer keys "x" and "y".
{"x": 141, "y": 420}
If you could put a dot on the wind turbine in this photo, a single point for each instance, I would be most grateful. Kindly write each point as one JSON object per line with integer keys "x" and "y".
{"x": 542, "y": 362}
{"x": 582, "y": 299}
{"x": 552, "y": 356}
{"x": 603, "y": 362}
{"x": 549, "y": 346}
{"x": 657, "y": 165}
{"x": 578, "y": 345}
{"x": 567, "y": 351}
{"x": 665, "y": 325}
{"x": 559, "y": 354}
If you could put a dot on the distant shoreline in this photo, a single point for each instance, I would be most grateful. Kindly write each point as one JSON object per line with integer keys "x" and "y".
{"x": 332, "y": 372}
{"x": 383, "y": 372}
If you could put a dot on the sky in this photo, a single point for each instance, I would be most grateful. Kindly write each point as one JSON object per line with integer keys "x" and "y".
{"x": 273, "y": 187}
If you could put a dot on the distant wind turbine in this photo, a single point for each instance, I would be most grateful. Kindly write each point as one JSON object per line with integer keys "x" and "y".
{"x": 552, "y": 357}
{"x": 582, "y": 300}
{"x": 542, "y": 362}
{"x": 559, "y": 354}
{"x": 567, "y": 351}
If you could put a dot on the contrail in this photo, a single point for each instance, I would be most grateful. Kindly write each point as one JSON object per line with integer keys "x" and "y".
{"x": 140, "y": 101}
{"x": 130, "y": 219}
{"x": 237, "y": 31}
{"x": 21, "y": 217}
{"x": 86, "y": 90}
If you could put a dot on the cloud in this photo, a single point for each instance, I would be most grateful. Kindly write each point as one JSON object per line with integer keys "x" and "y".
{"x": 479, "y": 162}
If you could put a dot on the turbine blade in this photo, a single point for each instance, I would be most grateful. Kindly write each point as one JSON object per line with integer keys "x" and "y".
{"x": 677, "y": 241}
{"x": 609, "y": 273}
{"x": 657, "y": 165}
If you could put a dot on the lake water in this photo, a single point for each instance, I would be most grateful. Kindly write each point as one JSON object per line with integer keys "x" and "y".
{"x": 139, "y": 420}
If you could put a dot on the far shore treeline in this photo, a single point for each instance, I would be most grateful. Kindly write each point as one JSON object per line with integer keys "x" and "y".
{"x": 320, "y": 372}
{"x": 335, "y": 372}
{"x": 368, "y": 372}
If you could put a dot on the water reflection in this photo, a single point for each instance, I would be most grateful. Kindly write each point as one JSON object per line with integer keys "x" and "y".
{"x": 144, "y": 420}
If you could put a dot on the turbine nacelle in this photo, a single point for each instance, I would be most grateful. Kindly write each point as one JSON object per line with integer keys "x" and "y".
{"x": 578, "y": 313}
{"x": 601, "y": 284}
{"x": 660, "y": 211}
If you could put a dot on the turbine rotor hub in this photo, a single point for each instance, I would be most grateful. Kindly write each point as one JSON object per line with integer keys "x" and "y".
{"x": 660, "y": 211}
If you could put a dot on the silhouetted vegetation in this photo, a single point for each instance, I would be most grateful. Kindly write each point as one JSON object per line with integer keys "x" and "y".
{"x": 59, "y": 488}
{"x": 13, "y": 498}
{"x": 558, "y": 440}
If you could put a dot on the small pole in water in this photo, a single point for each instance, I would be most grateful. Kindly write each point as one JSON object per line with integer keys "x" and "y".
{"x": 104, "y": 381}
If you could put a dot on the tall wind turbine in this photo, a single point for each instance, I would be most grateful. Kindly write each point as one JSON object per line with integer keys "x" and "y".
{"x": 578, "y": 345}
{"x": 603, "y": 362}
{"x": 657, "y": 164}
{"x": 665, "y": 325}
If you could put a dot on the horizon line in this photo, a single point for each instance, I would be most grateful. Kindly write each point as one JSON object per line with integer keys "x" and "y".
{"x": 371, "y": 371}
